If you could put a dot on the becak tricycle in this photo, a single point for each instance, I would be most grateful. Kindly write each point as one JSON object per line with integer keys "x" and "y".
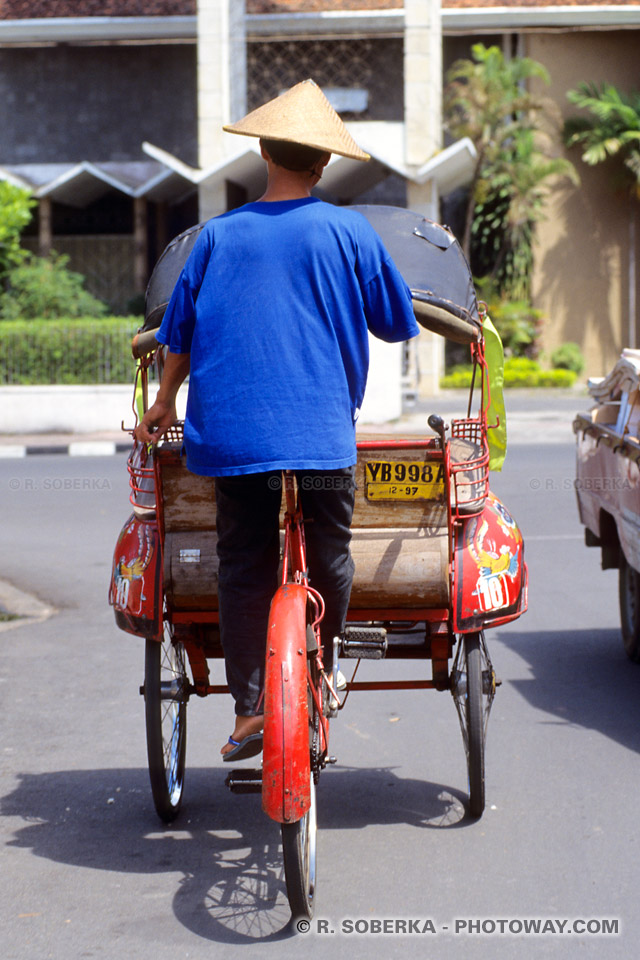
{"x": 438, "y": 560}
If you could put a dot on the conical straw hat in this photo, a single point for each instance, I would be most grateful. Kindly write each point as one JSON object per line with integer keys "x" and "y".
{"x": 301, "y": 115}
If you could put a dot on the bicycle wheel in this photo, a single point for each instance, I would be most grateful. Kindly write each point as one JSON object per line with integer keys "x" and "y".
{"x": 166, "y": 692}
{"x": 471, "y": 675}
{"x": 299, "y": 855}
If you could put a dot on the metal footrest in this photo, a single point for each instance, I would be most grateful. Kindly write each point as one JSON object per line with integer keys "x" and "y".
{"x": 244, "y": 781}
{"x": 364, "y": 643}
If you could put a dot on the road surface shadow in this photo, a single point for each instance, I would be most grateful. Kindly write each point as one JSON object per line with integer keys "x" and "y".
{"x": 232, "y": 888}
{"x": 582, "y": 677}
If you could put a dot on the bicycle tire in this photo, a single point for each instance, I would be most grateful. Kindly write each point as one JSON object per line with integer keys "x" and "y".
{"x": 475, "y": 725}
{"x": 166, "y": 696}
{"x": 467, "y": 687}
{"x": 299, "y": 855}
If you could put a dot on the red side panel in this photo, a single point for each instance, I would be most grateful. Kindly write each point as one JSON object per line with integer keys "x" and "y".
{"x": 490, "y": 575}
{"x": 135, "y": 592}
{"x": 286, "y": 769}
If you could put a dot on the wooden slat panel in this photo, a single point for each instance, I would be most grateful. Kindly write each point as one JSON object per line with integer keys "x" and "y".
{"x": 394, "y": 568}
{"x": 400, "y": 568}
{"x": 188, "y": 499}
{"x": 400, "y": 549}
{"x": 191, "y": 585}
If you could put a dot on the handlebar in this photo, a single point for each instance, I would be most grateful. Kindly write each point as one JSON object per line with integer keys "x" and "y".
{"x": 144, "y": 343}
{"x": 437, "y": 424}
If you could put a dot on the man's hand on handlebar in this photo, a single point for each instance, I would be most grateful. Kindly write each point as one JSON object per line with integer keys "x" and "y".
{"x": 155, "y": 423}
{"x": 162, "y": 414}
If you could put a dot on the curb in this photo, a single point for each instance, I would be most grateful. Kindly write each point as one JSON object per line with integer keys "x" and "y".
{"x": 24, "y": 606}
{"x": 78, "y": 448}
{"x": 531, "y": 419}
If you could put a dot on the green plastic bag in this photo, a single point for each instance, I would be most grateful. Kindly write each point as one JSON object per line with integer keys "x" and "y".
{"x": 496, "y": 415}
{"x": 139, "y": 396}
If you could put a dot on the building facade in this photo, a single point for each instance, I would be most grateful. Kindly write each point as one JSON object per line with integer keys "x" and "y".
{"x": 111, "y": 110}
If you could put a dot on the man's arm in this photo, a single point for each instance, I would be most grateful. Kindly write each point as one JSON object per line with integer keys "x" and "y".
{"x": 388, "y": 306}
{"x": 162, "y": 414}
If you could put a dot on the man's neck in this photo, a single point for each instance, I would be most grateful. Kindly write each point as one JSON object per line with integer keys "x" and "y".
{"x": 287, "y": 184}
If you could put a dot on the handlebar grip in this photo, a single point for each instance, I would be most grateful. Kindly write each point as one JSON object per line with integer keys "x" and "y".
{"x": 436, "y": 423}
{"x": 438, "y": 426}
{"x": 144, "y": 343}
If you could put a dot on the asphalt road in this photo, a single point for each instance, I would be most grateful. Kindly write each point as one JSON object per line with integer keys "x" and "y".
{"x": 89, "y": 871}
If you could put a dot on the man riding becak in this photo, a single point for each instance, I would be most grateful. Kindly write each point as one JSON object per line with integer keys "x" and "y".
{"x": 270, "y": 319}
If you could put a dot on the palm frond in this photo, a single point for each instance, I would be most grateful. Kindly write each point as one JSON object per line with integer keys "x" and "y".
{"x": 613, "y": 127}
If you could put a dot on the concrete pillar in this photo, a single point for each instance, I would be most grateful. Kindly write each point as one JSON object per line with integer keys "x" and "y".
{"x": 428, "y": 347}
{"x": 424, "y": 199}
{"x": 422, "y": 80}
{"x": 45, "y": 229}
{"x": 423, "y": 138}
{"x": 222, "y": 87}
{"x": 162, "y": 228}
{"x": 429, "y": 360}
{"x": 212, "y": 200}
{"x": 140, "y": 244}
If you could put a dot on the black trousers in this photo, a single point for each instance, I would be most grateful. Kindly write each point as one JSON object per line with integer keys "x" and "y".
{"x": 248, "y": 508}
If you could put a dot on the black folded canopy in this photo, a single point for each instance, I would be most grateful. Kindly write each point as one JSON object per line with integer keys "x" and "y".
{"x": 427, "y": 254}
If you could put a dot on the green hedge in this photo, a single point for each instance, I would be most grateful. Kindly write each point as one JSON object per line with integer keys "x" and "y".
{"x": 87, "y": 350}
{"x": 518, "y": 372}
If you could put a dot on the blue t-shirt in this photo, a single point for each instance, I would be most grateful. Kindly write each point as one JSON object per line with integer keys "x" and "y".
{"x": 274, "y": 304}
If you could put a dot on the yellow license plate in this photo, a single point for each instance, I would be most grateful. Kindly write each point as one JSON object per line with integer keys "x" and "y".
{"x": 403, "y": 480}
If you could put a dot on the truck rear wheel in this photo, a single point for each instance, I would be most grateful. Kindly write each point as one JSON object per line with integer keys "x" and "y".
{"x": 629, "y": 592}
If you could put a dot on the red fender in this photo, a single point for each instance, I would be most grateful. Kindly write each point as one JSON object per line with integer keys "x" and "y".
{"x": 285, "y": 766}
{"x": 490, "y": 575}
{"x": 135, "y": 590}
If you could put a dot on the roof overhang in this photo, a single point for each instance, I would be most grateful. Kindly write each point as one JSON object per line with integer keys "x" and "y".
{"x": 343, "y": 178}
{"x": 320, "y": 24}
{"x": 495, "y": 19}
{"x": 166, "y": 178}
{"x": 513, "y": 19}
{"x": 451, "y": 168}
{"x": 244, "y": 167}
{"x": 80, "y": 184}
{"x": 326, "y": 23}
{"x": 87, "y": 29}
{"x": 15, "y": 179}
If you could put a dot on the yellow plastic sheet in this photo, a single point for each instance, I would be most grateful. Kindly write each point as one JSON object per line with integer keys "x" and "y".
{"x": 496, "y": 414}
{"x": 139, "y": 397}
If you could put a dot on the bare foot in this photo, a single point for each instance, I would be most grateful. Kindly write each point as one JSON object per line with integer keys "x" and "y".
{"x": 244, "y": 727}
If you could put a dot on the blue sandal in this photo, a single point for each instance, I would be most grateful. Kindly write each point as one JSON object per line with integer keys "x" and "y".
{"x": 244, "y": 749}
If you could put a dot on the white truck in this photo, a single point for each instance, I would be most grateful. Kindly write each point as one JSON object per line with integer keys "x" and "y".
{"x": 608, "y": 484}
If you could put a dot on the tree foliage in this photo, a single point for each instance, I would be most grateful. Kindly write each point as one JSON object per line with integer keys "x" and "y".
{"x": 611, "y": 130}
{"x": 487, "y": 99}
{"x": 518, "y": 323}
{"x": 43, "y": 287}
{"x": 15, "y": 213}
{"x": 33, "y": 286}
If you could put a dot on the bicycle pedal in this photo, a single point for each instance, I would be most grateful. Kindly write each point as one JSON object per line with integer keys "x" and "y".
{"x": 244, "y": 781}
{"x": 364, "y": 643}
